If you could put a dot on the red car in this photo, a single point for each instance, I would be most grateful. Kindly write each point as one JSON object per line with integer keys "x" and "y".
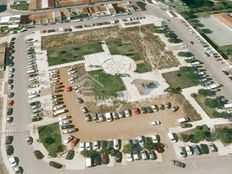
{"x": 10, "y": 102}
{"x": 75, "y": 141}
{"x": 69, "y": 88}
{"x": 136, "y": 111}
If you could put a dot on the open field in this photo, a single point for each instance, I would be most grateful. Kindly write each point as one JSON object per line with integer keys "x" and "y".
{"x": 151, "y": 48}
{"x": 51, "y": 138}
{"x": 111, "y": 84}
{"x": 72, "y": 53}
{"x": 182, "y": 78}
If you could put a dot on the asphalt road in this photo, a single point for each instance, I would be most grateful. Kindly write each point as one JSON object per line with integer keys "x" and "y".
{"x": 201, "y": 165}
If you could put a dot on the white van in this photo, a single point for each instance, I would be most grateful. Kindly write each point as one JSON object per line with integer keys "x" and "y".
{"x": 108, "y": 116}
{"x": 58, "y": 112}
{"x": 171, "y": 137}
{"x": 88, "y": 162}
{"x": 183, "y": 120}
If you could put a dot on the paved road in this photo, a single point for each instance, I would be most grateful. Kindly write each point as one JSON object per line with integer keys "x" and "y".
{"x": 202, "y": 165}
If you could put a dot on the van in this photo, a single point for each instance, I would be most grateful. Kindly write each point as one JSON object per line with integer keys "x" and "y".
{"x": 108, "y": 116}
{"x": 88, "y": 162}
{"x": 183, "y": 120}
{"x": 58, "y": 112}
{"x": 171, "y": 137}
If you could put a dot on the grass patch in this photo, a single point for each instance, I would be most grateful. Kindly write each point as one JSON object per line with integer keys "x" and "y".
{"x": 51, "y": 138}
{"x": 142, "y": 68}
{"x": 72, "y": 53}
{"x": 201, "y": 101}
{"x": 227, "y": 50}
{"x": 182, "y": 78}
{"x": 20, "y": 6}
{"x": 118, "y": 46}
{"x": 111, "y": 84}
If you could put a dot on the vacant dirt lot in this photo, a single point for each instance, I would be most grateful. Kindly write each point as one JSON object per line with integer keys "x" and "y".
{"x": 152, "y": 49}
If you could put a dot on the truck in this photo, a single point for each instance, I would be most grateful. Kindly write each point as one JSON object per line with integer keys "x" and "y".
{"x": 213, "y": 86}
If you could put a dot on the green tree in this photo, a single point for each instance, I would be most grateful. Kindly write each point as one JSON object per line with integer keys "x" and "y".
{"x": 149, "y": 145}
{"x": 206, "y": 31}
{"x": 185, "y": 54}
{"x": 185, "y": 137}
{"x": 88, "y": 153}
{"x": 128, "y": 148}
{"x": 224, "y": 134}
{"x": 212, "y": 103}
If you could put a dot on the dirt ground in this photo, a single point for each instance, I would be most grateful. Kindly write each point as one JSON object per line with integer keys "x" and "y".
{"x": 123, "y": 128}
{"x": 224, "y": 18}
{"x": 150, "y": 46}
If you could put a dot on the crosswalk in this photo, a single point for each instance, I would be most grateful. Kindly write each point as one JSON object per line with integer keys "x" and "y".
{"x": 16, "y": 130}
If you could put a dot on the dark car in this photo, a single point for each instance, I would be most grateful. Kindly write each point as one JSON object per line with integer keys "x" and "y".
{"x": 9, "y": 111}
{"x": 186, "y": 125}
{"x": 36, "y": 119}
{"x": 97, "y": 160}
{"x": 204, "y": 148}
{"x": 67, "y": 126}
{"x": 9, "y": 139}
{"x": 55, "y": 164}
{"x": 70, "y": 155}
{"x": 10, "y": 94}
{"x": 178, "y": 163}
{"x": 149, "y": 109}
{"x": 9, "y": 149}
{"x": 143, "y": 110}
{"x": 38, "y": 154}
{"x": 196, "y": 149}
{"x": 118, "y": 157}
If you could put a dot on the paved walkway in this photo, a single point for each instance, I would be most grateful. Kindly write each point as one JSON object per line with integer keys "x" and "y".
{"x": 66, "y": 64}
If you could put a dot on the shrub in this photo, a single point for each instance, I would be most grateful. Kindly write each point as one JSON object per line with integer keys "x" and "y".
{"x": 212, "y": 103}
{"x": 185, "y": 54}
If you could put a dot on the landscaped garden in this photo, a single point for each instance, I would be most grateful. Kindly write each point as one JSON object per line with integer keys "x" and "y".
{"x": 106, "y": 85}
{"x": 72, "y": 53}
{"x": 51, "y": 139}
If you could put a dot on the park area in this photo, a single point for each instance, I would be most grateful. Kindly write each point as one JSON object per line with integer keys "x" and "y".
{"x": 72, "y": 53}
{"x": 127, "y": 41}
{"x": 182, "y": 78}
{"x": 50, "y": 137}
{"x": 107, "y": 85}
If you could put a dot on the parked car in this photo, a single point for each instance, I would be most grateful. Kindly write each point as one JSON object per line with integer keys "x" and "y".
{"x": 67, "y": 126}
{"x": 154, "y": 108}
{"x": 144, "y": 154}
{"x": 38, "y": 154}
{"x": 84, "y": 109}
{"x": 64, "y": 122}
{"x": 136, "y": 111}
{"x": 68, "y": 139}
{"x": 181, "y": 152}
{"x": 88, "y": 146}
{"x": 64, "y": 117}
{"x": 141, "y": 140}
{"x": 29, "y": 140}
{"x": 168, "y": 105}
{"x": 55, "y": 164}
{"x": 129, "y": 157}
{"x": 9, "y": 111}
{"x": 118, "y": 157}
{"x": 152, "y": 155}
{"x": 88, "y": 117}
{"x": 204, "y": 148}
{"x": 70, "y": 155}
{"x": 127, "y": 113}
{"x": 156, "y": 122}
{"x": 213, "y": 147}
{"x": 196, "y": 150}
{"x": 189, "y": 150}
{"x": 154, "y": 138}
{"x": 116, "y": 144}
{"x": 13, "y": 162}
{"x": 179, "y": 164}
{"x": 175, "y": 108}
{"x": 81, "y": 146}
{"x": 136, "y": 155}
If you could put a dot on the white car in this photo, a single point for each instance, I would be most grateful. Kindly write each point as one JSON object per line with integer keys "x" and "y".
{"x": 96, "y": 145}
{"x": 81, "y": 146}
{"x": 88, "y": 146}
{"x": 129, "y": 157}
{"x": 141, "y": 140}
{"x": 154, "y": 108}
{"x": 116, "y": 144}
{"x": 68, "y": 139}
{"x": 63, "y": 117}
{"x": 12, "y": 161}
{"x": 188, "y": 150}
{"x": 154, "y": 138}
{"x": 84, "y": 109}
{"x": 64, "y": 122}
{"x": 156, "y": 122}
{"x": 72, "y": 72}
{"x": 127, "y": 113}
